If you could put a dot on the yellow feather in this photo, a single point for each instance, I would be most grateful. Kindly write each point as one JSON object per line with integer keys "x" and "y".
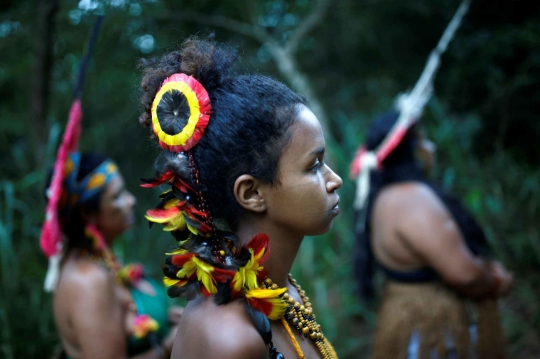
{"x": 187, "y": 270}
{"x": 204, "y": 275}
{"x": 177, "y": 222}
{"x": 261, "y": 293}
{"x": 177, "y": 251}
{"x": 272, "y": 296}
{"x": 168, "y": 282}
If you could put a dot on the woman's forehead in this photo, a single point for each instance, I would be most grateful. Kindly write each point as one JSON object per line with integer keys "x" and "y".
{"x": 115, "y": 184}
{"x": 307, "y": 136}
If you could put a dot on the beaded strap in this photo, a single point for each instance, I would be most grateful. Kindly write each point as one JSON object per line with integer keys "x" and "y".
{"x": 202, "y": 206}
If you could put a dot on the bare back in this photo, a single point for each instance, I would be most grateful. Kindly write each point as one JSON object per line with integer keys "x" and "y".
{"x": 90, "y": 311}
{"x": 389, "y": 246}
{"x": 412, "y": 229}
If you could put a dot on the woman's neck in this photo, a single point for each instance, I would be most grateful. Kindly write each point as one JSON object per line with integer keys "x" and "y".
{"x": 283, "y": 249}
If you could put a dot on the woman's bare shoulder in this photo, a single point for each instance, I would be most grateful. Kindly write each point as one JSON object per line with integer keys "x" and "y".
{"x": 414, "y": 196}
{"x": 85, "y": 275}
{"x": 225, "y": 331}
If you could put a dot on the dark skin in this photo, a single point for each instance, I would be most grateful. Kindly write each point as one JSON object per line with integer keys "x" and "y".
{"x": 411, "y": 229}
{"x": 302, "y": 202}
{"x": 93, "y": 314}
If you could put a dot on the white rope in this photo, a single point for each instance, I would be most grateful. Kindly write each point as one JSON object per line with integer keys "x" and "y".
{"x": 368, "y": 162}
{"x": 53, "y": 271}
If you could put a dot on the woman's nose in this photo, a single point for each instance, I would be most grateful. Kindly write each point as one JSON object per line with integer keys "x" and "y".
{"x": 132, "y": 199}
{"x": 334, "y": 182}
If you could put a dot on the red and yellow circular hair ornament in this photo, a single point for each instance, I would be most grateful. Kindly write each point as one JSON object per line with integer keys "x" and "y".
{"x": 168, "y": 102}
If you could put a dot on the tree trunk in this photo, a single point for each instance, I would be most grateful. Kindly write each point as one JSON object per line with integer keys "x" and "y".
{"x": 42, "y": 75}
{"x": 286, "y": 64}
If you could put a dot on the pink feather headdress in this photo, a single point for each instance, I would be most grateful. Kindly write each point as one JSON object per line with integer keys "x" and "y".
{"x": 51, "y": 233}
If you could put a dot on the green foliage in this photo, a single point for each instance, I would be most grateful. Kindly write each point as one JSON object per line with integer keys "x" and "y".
{"x": 358, "y": 59}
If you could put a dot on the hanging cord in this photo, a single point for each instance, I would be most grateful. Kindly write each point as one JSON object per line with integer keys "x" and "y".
{"x": 293, "y": 339}
{"x": 299, "y": 351}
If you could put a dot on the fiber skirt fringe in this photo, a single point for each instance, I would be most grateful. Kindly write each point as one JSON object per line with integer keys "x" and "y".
{"x": 429, "y": 321}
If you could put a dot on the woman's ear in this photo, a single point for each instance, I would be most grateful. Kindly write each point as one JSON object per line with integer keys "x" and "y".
{"x": 249, "y": 193}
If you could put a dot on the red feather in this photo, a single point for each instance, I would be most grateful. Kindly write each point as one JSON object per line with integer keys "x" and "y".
{"x": 160, "y": 213}
{"x": 222, "y": 275}
{"x": 181, "y": 259}
{"x": 162, "y": 178}
{"x": 259, "y": 243}
{"x": 182, "y": 185}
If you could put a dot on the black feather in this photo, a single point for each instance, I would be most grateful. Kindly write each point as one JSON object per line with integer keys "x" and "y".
{"x": 223, "y": 295}
{"x": 188, "y": 291}
{"x": 261, "y": 322}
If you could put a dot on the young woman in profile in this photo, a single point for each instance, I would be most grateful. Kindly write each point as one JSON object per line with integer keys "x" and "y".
{"x": 243, "y": 162}
{"x": 103, "y": 309}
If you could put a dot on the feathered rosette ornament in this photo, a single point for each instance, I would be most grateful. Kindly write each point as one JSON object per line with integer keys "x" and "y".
{"x": 207, "y": 260}
{"x": 180, "y": 96}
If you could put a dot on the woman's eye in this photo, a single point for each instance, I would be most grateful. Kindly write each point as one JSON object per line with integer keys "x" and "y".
{"x": 316, "y": 167}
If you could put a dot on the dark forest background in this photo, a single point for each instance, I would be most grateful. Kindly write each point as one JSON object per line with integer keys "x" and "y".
{"x": 351, "y": 58}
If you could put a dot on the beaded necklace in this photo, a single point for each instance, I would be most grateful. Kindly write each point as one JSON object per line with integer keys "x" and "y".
{"x": 301, "y": 316}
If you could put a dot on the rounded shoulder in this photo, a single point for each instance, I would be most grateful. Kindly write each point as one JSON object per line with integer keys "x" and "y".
{"x": 85, "y": 274}
{"x": 412, "y": 196}
{"x": 224, "y": 331}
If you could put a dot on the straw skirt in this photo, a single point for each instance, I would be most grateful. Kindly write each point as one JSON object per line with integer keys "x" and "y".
{"x": 430, "y": 321}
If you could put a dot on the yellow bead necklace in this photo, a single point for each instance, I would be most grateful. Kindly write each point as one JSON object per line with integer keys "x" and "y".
{"x": 301, "y": 316}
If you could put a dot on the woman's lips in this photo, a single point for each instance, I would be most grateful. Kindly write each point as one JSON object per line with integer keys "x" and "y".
{"x": 335, "y": 209}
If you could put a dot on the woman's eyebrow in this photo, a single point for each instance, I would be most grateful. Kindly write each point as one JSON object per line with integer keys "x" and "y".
{"x": 317, "y": 152}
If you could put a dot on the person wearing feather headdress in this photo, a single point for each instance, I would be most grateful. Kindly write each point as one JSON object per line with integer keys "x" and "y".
{"x": 101, "y": 308}
{"x": 244, "y": 178}
{"x": 441, "y": 285}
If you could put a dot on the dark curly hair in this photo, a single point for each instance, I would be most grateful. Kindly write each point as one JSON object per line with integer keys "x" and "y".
{"x": 248, "y": 128}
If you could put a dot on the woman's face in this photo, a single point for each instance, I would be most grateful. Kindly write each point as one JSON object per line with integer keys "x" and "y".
{"x": 115, "y": 213}
{"x": 304, "y": 199}
{"x": 426, "y": 151}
